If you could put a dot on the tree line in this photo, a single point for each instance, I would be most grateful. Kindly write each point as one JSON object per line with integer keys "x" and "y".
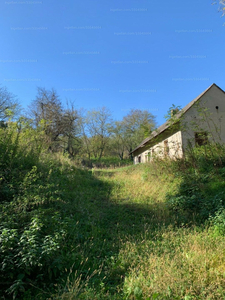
{"x": 80, "y": 133}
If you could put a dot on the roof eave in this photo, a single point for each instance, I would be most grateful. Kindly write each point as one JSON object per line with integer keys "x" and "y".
{"x": 179, "y": 115}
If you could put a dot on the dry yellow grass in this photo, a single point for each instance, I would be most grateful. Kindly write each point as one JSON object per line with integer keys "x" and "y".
{"x": 184, "y": 263}
{"x": 155, "y": 258}
{"x": 141, "y": 186}
{"x": 176, "y": 263}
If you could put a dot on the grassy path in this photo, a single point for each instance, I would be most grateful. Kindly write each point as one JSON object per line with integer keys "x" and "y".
{"x": 144, "y": 254}
{"x": 75, "y": 234}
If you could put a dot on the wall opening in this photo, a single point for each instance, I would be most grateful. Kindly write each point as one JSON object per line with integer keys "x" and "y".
{"x": 166, "y": 148}
{"x": 201, "y": 138}
{"x": 148, "y": 157}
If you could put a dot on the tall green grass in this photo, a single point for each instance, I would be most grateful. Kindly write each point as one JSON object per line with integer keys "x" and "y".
{"x": 153, "y": 231}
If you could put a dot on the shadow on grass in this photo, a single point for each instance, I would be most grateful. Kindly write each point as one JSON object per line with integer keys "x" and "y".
{"x": 105, "y": 225}
{"x": 199, "y": 197}
{"x": 67, "y": 226}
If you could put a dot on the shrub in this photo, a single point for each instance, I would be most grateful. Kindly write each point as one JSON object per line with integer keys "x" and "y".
{"x": 201, "y": 192}
{"x": 218, "y": 221}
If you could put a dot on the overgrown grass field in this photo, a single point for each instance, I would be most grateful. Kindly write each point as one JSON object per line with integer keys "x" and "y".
{"x": 153, "y": 231}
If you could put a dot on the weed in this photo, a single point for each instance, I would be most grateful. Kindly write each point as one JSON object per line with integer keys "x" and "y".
{"x": 152, "y": 231}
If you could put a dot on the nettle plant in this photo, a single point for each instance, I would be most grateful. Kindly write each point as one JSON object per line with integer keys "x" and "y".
{"x": 25, "y": 254}
{"x": 32, "y": 233}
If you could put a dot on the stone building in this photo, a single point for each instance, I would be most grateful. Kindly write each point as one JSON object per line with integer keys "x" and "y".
{"x": 199, "y": 122}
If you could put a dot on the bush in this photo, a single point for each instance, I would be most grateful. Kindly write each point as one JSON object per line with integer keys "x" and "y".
{"x": 218, "y": 221}
{"x": 201, "y": 192}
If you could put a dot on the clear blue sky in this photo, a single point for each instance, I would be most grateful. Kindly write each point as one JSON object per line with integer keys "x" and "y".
{"x": 119, "y": 54}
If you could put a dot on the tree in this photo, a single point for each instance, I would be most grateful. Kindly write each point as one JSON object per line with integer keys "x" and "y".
{"x": 221, "y": 6}
{"x": 128, "y": 133}
{"x": 118, "y": 139}
{"x": 138, "y": 125}
{"x": 96, "y": 129}
{"x": 8, "y": 104}
{"x": 71, "y": 132}
{"x": 59, "y": 124}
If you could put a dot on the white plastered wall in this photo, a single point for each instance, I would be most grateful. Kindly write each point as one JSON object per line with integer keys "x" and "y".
{"x": 205, "y": 117}
{"x": 170, "y": 147}
{"x": 195, "y": 119}
{"x": 174, "y": 150}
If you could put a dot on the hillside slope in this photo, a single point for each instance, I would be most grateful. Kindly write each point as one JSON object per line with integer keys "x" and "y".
{"x": 153, "y": 231}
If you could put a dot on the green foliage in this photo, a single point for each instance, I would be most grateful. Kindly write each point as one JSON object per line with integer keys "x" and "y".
{"x": 96, "y": 130}
{"x": 9, "y": 106}
{"x": 113, "y": 162}
{"x": 15, "y": 158}
{"x": 137, "y": 126}
{"x": 60, "y": 125}
{"x": 201, "y": 192}
{"x": 46, "y": 215}
{"x": 33, "y": 232}
{"x": 172, "y": 112}
{"x": 70, "y": 233}
{"x": 218, "y": 221}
